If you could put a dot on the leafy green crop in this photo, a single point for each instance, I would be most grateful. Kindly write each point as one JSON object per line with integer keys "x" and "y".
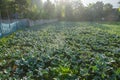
{"x": 61, "y": 51}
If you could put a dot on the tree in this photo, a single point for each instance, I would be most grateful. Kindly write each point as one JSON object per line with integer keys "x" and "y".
{"x": 4, "y": 7}
{"x": 68, "y": 11}
{"x": 60, "y": 9}
{"x": 94, "y": 11}
{"x": 107, "y": 9}
{"x": 49, "y": 9}
{"x": 78, "y": 10}
{"x": 119, "y": 6}
{"x": 12, "y": 6}
{"x": 90, "y": 12}
{"x": 119, "y": 10}
{"x": 35, "y": 8}
{"x": 21, "y": 7}
{"x": 98, "y": 10}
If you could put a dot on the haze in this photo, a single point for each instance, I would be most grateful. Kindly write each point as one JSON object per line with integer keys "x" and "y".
{"x": 86, "y": 2}
{"x": 113, "y": 2}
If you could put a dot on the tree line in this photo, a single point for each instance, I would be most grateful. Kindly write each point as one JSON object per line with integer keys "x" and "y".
{"x": 59, "y": 9}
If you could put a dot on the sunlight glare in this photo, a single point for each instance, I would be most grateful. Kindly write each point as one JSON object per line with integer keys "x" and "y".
{"x": 50, "y": 0}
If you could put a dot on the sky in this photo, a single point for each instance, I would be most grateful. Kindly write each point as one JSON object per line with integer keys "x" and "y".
{"x": 113, "y": 2}
{"x": 86, "y": 2}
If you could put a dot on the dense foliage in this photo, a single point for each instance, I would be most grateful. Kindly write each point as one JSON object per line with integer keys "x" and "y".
{"x": 60, "y": 9}
{"x": 62, "y": 51}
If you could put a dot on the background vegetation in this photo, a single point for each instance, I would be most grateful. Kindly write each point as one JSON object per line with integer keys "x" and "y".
{"x": 60, "y": 9}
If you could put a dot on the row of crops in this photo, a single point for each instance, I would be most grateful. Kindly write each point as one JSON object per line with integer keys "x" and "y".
{"x": 61, "y": 51}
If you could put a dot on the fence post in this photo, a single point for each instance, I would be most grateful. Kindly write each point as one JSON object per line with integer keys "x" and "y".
{"x": 16, "y": 18}
{"x": 8, "y": 19}
{"x": 0, "y": 24}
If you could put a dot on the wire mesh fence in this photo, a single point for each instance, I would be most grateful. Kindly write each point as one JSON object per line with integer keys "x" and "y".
{"x": 7, "y": 27}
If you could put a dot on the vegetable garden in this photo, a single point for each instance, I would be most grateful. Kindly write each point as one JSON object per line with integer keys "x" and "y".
{"x": 62, "y": 51}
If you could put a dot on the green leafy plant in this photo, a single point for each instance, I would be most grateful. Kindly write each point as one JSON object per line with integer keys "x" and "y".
{"x": 61, "y": 51}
